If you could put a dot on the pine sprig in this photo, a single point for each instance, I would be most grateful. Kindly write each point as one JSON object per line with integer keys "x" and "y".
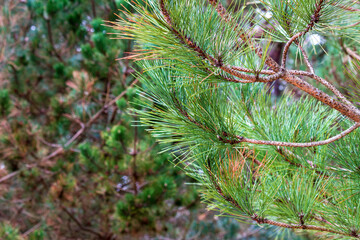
{"x": 254, "y": 158}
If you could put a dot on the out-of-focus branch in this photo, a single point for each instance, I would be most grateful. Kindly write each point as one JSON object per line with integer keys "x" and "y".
{"x": 84, "y": 127}
{"x": 80, "y": 225}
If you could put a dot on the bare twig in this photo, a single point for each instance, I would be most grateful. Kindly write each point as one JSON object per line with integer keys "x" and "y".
{"x": 9, "y": 176}
{"x": 31, "y": 229}
{"x": 80, "y": 225}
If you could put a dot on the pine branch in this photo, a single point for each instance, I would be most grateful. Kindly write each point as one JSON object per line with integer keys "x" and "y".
{"x": 300, "y": 226}
{"x": 206, "y": 118}
{"x": 308, "y": 144}
{"x": 215, "y": 62}
{"x": 261, "y": 220}
{"x": 326, "y": 84}
{"x": 354, "y": 114}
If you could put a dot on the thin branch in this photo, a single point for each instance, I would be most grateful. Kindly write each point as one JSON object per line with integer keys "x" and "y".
{"x": 344, "y": 109}
{"x": 9, "y": 176}
{"x": 218, "y": 188}
{"x": 308, "y": 144}
{"x": 321, "y": 219}
{"x": 245, "y": 38}
{"x": 51, "y": 41}
{"x": 352, "y": 54}
{"x": 134, "y": 154}
{"x": 314, "y": 19}
{"x": 306, "y": 58}
{"x": 241, "y": 139}
{"x": 326, "y": 84}
{"x": 93, "y": 8}
{"x": 32, "y": 229}
{"x": 281, "y": 152}
{"x": 261, "y": 220}
{"x": 347, "y": 26}
{"x": 86, "y": 229}
{"x": 347, "y": 8}
{"x": 299, "y": 226}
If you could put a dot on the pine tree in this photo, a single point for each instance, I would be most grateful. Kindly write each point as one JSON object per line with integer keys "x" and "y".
{"x": 291, "y": 162}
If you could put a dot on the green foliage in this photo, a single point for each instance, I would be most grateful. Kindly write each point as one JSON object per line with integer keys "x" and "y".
{"x": 7, "y": 232}
{"x": 236, "y": 140}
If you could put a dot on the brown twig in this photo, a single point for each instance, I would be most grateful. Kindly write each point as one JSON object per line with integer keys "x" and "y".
{"x": 306, "y": 59}
{"x": 50, "y": 37}
{"x": 9, "y": 176}
{"x": 299, "y": 226}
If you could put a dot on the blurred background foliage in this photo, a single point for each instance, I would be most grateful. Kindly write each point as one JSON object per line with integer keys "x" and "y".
{"x": 73, "y": 165}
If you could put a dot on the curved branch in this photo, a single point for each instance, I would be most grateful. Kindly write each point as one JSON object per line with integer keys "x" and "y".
{"x": 299, "y": 226}
{"x": 291, "y": 144}
{"x": 314, "y": 19}
{"x": 287, "y": 46}
{"x": 322, "y": 97}
{"x": 325, "y": 83}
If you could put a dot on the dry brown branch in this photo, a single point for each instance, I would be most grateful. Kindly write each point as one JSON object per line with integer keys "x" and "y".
{"x": 9, "y": 176}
